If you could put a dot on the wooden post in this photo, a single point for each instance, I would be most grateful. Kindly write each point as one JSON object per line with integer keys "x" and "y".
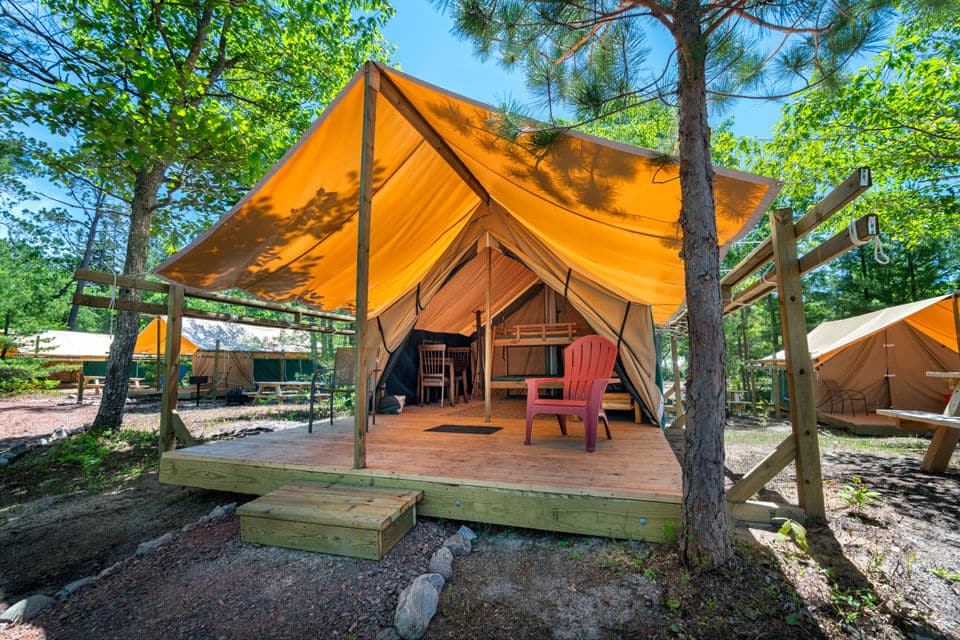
{"x": 488, "y": 342}
{"x": 371, "y": 83}
{"x": 80, "y": 386}
{"x": 956, "y": 317}
{"x": 777, "y": 408}
{"x": 171, "y": 379}
{"x": 216, "y": 369}
{"x": 803, "y": 413}
{"x": 156, "y": 382}
{"x": 677, "y": 382}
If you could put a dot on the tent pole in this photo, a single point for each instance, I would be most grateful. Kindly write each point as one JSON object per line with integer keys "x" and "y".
{"x": 956, "y": 317}
{"x": 677, "y": 382}
{"x": 371, "y": 84}
{"x": 488, "y": 341}
{"x": 157, "y": 375}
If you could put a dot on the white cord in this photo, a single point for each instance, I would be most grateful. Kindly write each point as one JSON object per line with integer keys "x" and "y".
{"x": 878, "y": 254}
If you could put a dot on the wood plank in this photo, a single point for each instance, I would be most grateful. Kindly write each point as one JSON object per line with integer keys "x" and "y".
{"x": 344, "y": 541}
{"x": 404, "y": 107}
{"x": 855, "y": 184}
{"x": 180, "y": 430}
{"x": 803, "y": 412}
{"x": 940, "y": 451}
{"x": 763, "y": 514}
{"x": 134, "y": 282}
{"x": 370, "y": 86}
{"x": 763, "y": 471}
{"x": 171, "y": 381}
{"x": 908, "y": 415}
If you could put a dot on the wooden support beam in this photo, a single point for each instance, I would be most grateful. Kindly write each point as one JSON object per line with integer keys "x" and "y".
{"x": 171, "y": 379}
{"x": 764, "y": 471}
{"x": 159, "y": 310}
{"x": 803, "y": 412}
{"x": 180, "y": 430}
{"x": 395, "y": 97}
{"x": 134, "y": 282}
{"x": 677, "y": 382}
{"x": 866, "y": 227}
{"x": 855, "y": 184}
{"x": 764, "y": 514}
{"x": 488, "y": 342}
{"x": 371, "y": 82}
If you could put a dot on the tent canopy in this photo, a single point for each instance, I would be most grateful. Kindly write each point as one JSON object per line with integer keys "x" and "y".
{"x": 604, "y": 210}
{"x": 202, "y": 335}
{"x": 594, "y": 219}
{"x": 932, "y": 317}
{"x": 66, "y": 345}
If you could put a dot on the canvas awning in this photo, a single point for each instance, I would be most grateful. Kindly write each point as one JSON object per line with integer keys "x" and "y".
{"x": 595, "y": 219}
{"x": 605, "y": 210}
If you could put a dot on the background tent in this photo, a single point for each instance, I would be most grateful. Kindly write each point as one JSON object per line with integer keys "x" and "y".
{"x": 591, "y": 218}
{"x": 246, "y": 353}
{"x": 86, "y": 350}
{"x": 886, "y": 354}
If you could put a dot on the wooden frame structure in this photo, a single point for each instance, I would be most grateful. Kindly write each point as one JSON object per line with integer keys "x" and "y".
{"x": 172, "y": 427}
{"x": 802, "y": 446}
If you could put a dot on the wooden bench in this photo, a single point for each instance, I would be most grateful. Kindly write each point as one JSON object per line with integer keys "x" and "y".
{"x": 361, "y": 522}
{"x": 946, "y": 434}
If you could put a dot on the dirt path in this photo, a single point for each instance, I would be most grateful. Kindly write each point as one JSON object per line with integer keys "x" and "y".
{"x": 888, "y": 572}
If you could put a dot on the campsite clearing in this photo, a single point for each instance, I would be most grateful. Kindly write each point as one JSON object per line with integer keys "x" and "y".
{"x": 878, "y": 574}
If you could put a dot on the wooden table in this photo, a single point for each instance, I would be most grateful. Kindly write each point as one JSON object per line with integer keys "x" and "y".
{"x": 279, "y": 389}
{"x": 135, "y": 383}
{"x": 93, "y": 382}
{"x": 946, "y": 426}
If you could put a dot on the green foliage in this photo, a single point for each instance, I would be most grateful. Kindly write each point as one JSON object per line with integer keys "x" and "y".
{"x": 793, "y": 530}
{"x": 31, "y": 288}
{"x": 857, "y": 495}
{"x": 948, "y": 576}
{"x": 849, "y": 604}
{"x": 21, "y": 373}
{"x": 91, "y": 453}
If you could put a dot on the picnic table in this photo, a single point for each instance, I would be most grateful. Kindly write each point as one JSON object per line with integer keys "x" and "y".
{"x": 93, "y": 382}
{"x": 281, "y": 389}
{"x": 946, "y": 425}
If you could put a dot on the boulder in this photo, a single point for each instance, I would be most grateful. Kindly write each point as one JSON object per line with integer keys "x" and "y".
{"x": 26, "y": 609}
{"x": 73, "y": 587}
{"x": 467, "y": 533}
{"x": 458, "y": 545}
{"x": 435, "y": 579}
{"x": 415, "y": 608}
{"x": 151, "y": 546}
{"x": 442, "y": 563}
{"x": 387, "y": 633}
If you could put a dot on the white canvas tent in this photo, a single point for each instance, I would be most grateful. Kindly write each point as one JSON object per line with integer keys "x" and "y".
{"x": 886, "y": 354}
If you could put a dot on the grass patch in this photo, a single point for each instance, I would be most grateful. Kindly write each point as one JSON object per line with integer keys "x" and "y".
{"x": 833, "y": 441}
{"x": 83, "y": 462}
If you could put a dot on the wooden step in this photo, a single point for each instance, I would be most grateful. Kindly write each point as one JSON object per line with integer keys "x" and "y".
{"x": 361, "y": 522}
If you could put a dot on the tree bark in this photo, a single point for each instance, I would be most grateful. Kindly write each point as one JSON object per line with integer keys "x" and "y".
{"x": 87, "y": 257}
{"x": 705, "y": 540}
{"x": 146, "y": 186}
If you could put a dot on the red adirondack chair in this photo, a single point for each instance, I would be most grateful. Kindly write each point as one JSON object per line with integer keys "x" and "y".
{"x": 588, "y": 363}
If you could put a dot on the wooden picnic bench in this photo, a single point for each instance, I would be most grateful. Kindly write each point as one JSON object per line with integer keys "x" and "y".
{"x": 945, "y": 426}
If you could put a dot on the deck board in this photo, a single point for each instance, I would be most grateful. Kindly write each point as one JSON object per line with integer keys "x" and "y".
{"x": 632, "y": 478}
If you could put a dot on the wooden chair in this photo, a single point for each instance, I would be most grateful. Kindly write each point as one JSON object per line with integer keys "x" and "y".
{"x": 432, "y": 370}
{"x": 835, "y": 394}
{"x": 461, "y": 357}
{"x": 587, "y": 365}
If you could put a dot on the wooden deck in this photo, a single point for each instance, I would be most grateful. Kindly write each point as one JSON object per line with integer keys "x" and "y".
{"x": 870, "y": 424}
{"x": 630, "y": 487}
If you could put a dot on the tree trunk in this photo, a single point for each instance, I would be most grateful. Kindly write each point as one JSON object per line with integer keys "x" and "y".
{"x": 147, "y": 184}
{"x": 87, "y": 256}
{"x": 705, "y": 541}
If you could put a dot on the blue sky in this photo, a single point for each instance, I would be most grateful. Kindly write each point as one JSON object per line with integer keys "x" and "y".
{"x": 426, "y": 49}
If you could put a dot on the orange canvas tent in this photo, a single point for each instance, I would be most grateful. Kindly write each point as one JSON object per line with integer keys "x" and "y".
{"x": 594, "y": 219}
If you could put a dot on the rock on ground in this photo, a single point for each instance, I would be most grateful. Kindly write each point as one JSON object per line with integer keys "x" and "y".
{"x": 26, "y": 609}
{"x": 415, "y": 609}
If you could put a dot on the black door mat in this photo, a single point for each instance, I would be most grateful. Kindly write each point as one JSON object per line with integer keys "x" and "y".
{"x": 464, "y": 428}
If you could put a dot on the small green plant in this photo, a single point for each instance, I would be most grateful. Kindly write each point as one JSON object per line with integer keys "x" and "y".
{"x": 943, "y": 574}
{"x": 673, "y": 603}
{"x": 574, "y": 554}
{"x": 669, "y": 533}
{"x": 850, "y": 603}
{"x": 857, "y": 495}
{"x": 791, "y": 529}
{"x": 649, "y": 574}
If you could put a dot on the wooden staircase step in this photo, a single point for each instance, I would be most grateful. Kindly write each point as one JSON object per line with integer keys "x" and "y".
{"x": 361, "y": 522}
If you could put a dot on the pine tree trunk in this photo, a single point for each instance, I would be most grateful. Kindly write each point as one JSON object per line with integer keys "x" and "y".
{"x": 705, "y": 541}
{"x": 146, "y": 186}
{"x": 87, "y": 257}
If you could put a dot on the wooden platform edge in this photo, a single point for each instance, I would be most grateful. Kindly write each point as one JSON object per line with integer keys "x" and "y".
{"x": 764, "y": 514}
{"x": 619, "y": 518}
